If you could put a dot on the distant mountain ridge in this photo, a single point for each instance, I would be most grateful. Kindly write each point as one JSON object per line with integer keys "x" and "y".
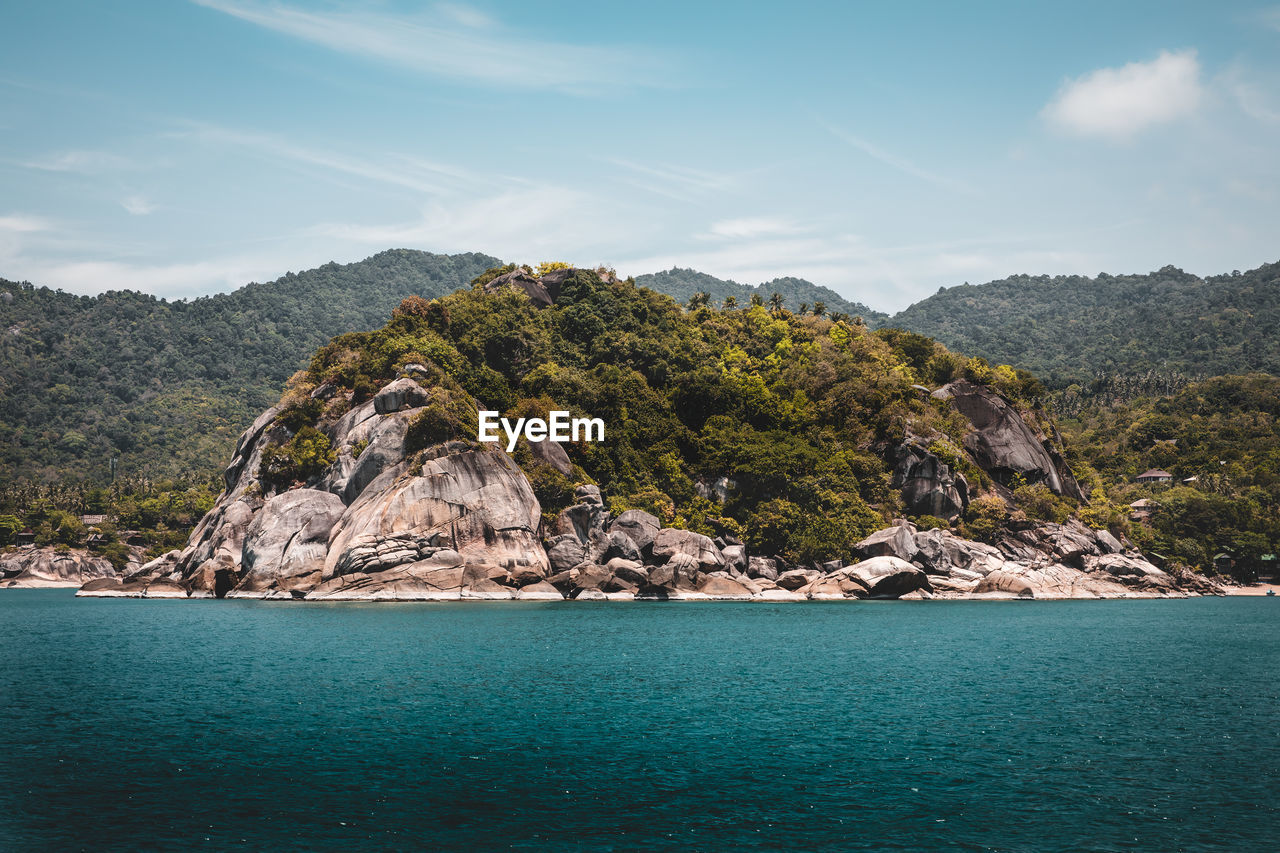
{"x": 1072, "y": 328}
{"x": 165, "y": 387}
{"x": 682, "y": 284}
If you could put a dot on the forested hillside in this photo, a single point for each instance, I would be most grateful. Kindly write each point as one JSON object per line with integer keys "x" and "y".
{"x": 793, "y": 415}
{"x": 1220, "y": 441}
{"x": 166, "y": 387}
{"x": 683, "y": 284}
{"x": 1072, "y": 329}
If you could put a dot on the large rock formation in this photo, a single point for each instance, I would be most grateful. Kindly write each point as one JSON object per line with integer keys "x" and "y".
{"x": 456, "y": 520}
{"x": 928, "y": 485}
{"x": 56, "y": 567}
{"x": 1003, "y": 444}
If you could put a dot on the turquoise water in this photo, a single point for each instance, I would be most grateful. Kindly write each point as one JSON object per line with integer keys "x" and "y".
{"x": 1111, "y": 725}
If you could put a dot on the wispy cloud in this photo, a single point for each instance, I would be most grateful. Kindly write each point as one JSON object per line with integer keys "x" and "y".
{"x": 405, "y": 172}
{"x": 884, "y": 277}
{"x": 169, "y": 280}
{"x": 751, "y": 228}
{"x": 137, "y": 205}
{"x": 1255, "y": 97}
{"x": 534, "y": 222}
{"x": 680, "y": 183}
{"x": 466, "y": 16}
{"x": 86, "y": 162}
{"x": 18, "y": 223}
{"x": 898, "y": 162}
{"x": 457, "y": 42}
{"x": 1118, "y": 103}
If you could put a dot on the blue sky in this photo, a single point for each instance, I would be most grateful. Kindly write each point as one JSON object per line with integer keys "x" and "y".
{"x": 881, "y": 149}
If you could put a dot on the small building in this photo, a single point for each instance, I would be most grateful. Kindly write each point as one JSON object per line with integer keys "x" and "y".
{"x": 92, "y": 520}
{"x": 1155, "y": 475}
{"x": 1224, "y": 562}
{"x": 26, "y": 537}
{"x": 1142, "y": 510}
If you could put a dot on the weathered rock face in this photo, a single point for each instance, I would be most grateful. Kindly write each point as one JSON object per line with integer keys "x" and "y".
{"x": 550, "y": 453}
{"x": 351, "y": 474}
{"x": 942, "y": 554}
{"x": 46, "y": 567}
{"x": 542, "y": 290}
{"x": 526, "y": 283}
{"x": 670, "y": 541}
{"x": 928, "y": 485}
{"x": 886, "y": 577}
{"x": 1046, "y": 561}
{"x": 286, "y": 543}
{"x": 473, "y": 502}
{"x": 457, "y": 520}
{"x": 897, "y": 541}
{"x": 1001, "y": 441}
{"x": 638, "y": 526}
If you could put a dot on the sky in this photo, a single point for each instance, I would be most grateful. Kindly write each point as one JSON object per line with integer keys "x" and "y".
{"x": 884, "y": 150}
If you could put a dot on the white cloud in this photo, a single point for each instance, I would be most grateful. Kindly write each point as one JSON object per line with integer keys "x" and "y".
{"x": 1254, "y": 95}
{"x": 86, "y": 162}
{"x": 751, "y": 228}
{"x": 137, "y": 205}
{"x": 680, "y": 183}
{"x": 18, "y": 223}
{"x": 525, "y": 223}
{"x": 885, "y": 278}
{"x": 455, "y": 42}
{"x": 465, "y": 15}
{"x": 171, "y": 280}
{"x": 1117, "y": 103}
{"x": 407, "y": 173}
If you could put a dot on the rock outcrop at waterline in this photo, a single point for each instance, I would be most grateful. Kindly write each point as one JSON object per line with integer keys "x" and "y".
{"x": 457, "y": 520}
{"x": 54, "y": 567}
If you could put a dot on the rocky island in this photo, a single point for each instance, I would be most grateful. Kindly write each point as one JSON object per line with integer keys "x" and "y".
{"x": 754, "y": 455}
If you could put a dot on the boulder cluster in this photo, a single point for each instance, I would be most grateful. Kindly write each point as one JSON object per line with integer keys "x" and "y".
{"x": 58, "y": 567}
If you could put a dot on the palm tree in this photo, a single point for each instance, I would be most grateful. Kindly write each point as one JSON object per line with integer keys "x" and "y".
{"x": 804, "y": 309}
{"x": 730, "y": 302}
{"x": 819, "y": 308}
{"x": 775, "y": 302}
{"x": 699, "y": 300}
{"x": 756, "y": 300}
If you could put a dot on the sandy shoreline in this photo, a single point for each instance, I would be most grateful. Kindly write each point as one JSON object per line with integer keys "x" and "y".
{"x": 1253, "y": 589}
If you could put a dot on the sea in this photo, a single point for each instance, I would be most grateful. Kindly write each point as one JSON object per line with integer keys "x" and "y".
{"x": 610, "y": 726}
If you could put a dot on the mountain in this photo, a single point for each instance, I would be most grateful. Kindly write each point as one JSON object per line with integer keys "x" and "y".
{"x": 166, "y": 386}
{"x": 740, "y": 454}
{"x": 682, "y": 284}
{"x": 1072, "y": 329}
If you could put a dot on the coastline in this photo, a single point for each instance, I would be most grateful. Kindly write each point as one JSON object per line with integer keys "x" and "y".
{"x": 767, "y": 597}
{"x": 1252, "y": 590}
